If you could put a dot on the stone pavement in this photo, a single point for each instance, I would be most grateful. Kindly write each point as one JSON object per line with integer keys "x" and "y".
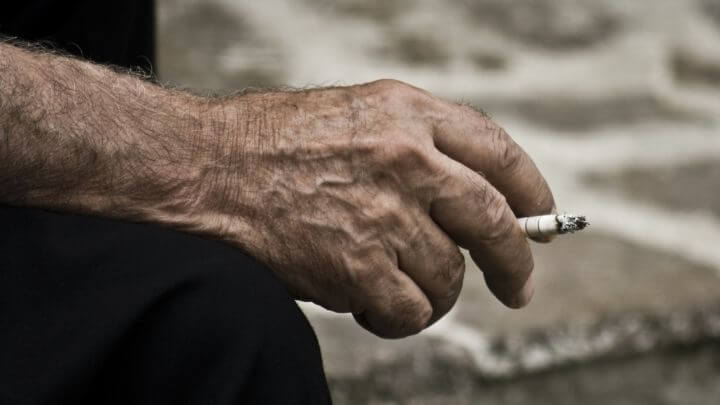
{"x": 619, "y": 104}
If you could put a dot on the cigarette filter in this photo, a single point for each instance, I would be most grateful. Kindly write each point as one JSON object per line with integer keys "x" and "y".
{"x": 550, "y": 225}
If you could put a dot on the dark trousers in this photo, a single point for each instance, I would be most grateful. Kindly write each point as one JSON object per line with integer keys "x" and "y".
{"x": 105, "y": 312}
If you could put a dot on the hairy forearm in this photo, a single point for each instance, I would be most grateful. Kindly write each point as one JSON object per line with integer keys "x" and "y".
{"x": 79, "y": 137}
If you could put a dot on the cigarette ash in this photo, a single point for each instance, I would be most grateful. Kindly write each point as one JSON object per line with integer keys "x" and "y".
{"x": 569, "y": 223}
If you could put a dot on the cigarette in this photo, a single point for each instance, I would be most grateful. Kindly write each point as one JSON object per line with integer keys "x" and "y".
{"x": 551, "y": 225}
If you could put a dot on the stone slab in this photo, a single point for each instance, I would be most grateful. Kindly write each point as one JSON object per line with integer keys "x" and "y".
{"x": 693, "y": 186}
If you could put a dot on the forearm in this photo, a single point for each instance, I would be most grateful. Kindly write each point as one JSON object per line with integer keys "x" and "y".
{"x": 82, "y": 138}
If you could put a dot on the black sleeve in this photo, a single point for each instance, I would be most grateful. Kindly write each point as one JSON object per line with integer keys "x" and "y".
{"x": 116, "y": 32}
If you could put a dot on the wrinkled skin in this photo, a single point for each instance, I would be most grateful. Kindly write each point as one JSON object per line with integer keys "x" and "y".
{"x": 358, "y": 198}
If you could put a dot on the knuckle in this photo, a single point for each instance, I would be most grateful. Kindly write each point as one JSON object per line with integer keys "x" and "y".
{"x": 386, "y": 210}
{"x": 407, "y": 151}
{"x": 410, "y": 167}
{"x": 392, "y": 91}
{"x": 497, "y": 218}
{"x": 454, "y": 272}
{"x": 509, "y": 155}
{"x": 357, "y": 273}
{"x": 414, "y": 238}
{"x": 389, "y": 85}
{"x": 450, "y": 273}
{"x": 372, "y": 146}
{"x": 416, "y": 317}
{"x": 407, "y": 156}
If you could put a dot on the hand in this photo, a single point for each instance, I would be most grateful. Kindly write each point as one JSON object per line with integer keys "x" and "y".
{"x": 358, "y": 197}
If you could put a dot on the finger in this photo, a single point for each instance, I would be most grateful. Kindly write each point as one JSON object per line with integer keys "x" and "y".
{"x": 478, "y": 218}
{"x": 432, "y": 260}
{"x": 394, "y": 306}
{"x": 471, "y": 138}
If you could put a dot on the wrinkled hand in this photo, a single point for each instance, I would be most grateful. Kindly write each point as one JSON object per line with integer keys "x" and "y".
{"x": 358, "y": 197}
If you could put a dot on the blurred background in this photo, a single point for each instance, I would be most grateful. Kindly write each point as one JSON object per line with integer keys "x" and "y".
{"x": 618, "y": 102}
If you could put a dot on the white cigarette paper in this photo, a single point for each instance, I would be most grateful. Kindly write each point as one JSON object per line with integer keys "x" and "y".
{"x": 551, "y": 225}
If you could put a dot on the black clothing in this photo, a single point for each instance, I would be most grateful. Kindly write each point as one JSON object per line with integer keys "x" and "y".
{"x": 121, "y": 33}
{"x": 100, "y": 311}
{"x": 141, "y": 315}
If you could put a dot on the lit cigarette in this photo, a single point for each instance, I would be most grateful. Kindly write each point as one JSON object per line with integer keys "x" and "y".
{"x": 551, "y": 225}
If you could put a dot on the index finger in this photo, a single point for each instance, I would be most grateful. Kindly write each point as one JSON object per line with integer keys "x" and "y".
{"x": 476, "y": 216}
{"x": 473, "y": 139}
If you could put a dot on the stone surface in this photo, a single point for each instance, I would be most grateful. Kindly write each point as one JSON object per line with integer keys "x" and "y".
{"x": 711, "y": 8}
{"x": 577, "y": 116}
{"x": 692, "y": 186}
{"x": 587, "y": 277}
{"x": 676, "y": 376}
{"x": 421, "y": 50}
{"x": 194, "y": 39}
{"x": 380, "y": 11}
{"x": 696, "y": 69}
{"x": 488, "y": 60}
{"x": 554, "y": 24}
